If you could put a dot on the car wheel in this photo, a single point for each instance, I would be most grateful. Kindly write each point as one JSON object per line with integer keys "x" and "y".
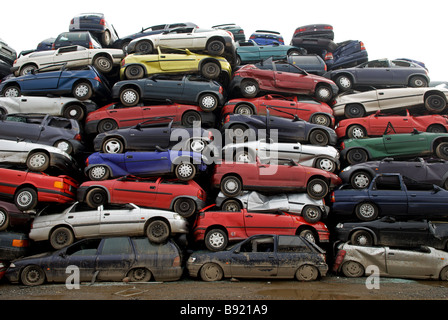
{"x": 321, "y": 119}
{"x": 134, "y": 72}
{"x": 139, "y": 275}
{"x": 38, "y": 161}
{"x": 27, "y": 69}
{"x": 444, "y": 274}
{"x": 311, "y": 214}
{"x": 354, "y": 111}
{"x": 231, "y": 205}
{"x": 244, "y": 109}
{"x": 319, "y": 137}
{"x": 231, "y": 186}
{"x": 436, "y": 128}
{"x": 249, "y": 88}
{"x": 361, "y": 238}
{"x": 307, "y": 272}
{"x": 103, "y": 64}
{"x": 357, "y": 156}
{"x": 208, "y": 102}
{"x": 295, "y": 52}
{"x": 216, "y": 240}
{"x": 244, "y": 156}
{"x": 11, "y": 91}
{"x": 106, "y": 38}
{"x": 113, "y": 145}
{"x": 82, "y": 91}
{"x": 64, "y": 145}
{"x": 96, "y": 197}
{"x": 356, "y": 131}
{"x": 61, "y": 237}
{"x": 197, "y": 145}
{"x": 144, "y": 47}
{"x": 317, "y": 188}
{"x": 215, "y": 48}
{"x": 158, "y": 231}
{"x": 190, "y": 117}
{"x": 442, "y": 150}
{"x": 360, "y": 180}
{"x": 210, "y": 70}
{"x": 32, "y": 276}
{"x": 185, "y": 171}
{"x": 4, "y": 219}
{"x": 211, "y": 272}
{"x": 352, "y": 269}
{"x": 323, "y": 93}
{"x": 98, "y": 173}
{"x": 185, "y": 207}
{"x": 107, "y": 125}
{"x": 326, "y": 164}
{"x": 129, "y": 97}
{"x": 418, "y": 82}
{"x": 435, "y": 103}
{"x": 237, "y": 133}
{"x": 74, "y": 111}
{"x": 366, "y": 211}
{"x": 25, "y": 199}
{"x": 344, "y": 82}
{"x": 308, "y": 235}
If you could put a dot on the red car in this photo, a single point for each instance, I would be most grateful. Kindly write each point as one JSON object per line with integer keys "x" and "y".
{"x": 29, "y": 188}
{"x": 183, "y": 197}
{"x": 305, "y": 108}
{"x": 250, "y": 80}
{"x": 286, "y": 175}
{"x": 377, "y": 124}
{"x": 217, "y": 228}
{"x": 116, "y": 115}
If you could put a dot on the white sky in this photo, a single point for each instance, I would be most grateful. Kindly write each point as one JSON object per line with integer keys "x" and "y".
{"x": 389, "y": 29}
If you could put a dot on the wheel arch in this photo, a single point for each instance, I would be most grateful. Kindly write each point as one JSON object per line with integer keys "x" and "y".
{"x": 94, "y": 187}
{"x": 250, "y": 104}
{"x": 155, "y": 219}
{"x": 370, "y": 231}
{"x": 436, "y": 142}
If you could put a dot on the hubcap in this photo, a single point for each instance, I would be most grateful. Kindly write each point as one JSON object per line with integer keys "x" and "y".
{"x": 37, "y": 160}
{"x": 197, "y": 145}
{"x": 216, "y": 240}
{"x": 344, "y": 82}
{"x": 357, "y": 133}
{"x": 63, "y": 145}
{"x": 113, "y": 146}
{"x": 82, "y": 90}
{"x": 185, "y": 170}
{"x": 129, "y": 96}
{"x": 208, "y": 102}
{"x": 366, "y": 210}
{"x": 12, "y": 92}
{"x": 327, "y": 165}
{"x": 25, "y": 198}
{"x": 231, "y": 186}
{"x": 250, "y": 89}
{"x": 98, "y": 172}
{"x": 2, "y": 218}
{"x": 361, "y": 181}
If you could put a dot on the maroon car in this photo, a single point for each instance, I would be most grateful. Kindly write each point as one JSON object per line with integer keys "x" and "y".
{"x": 251, "y": 80}
{"x": 10, "y": 216}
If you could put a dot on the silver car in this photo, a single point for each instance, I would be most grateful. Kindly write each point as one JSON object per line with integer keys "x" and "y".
{"x": 80, "y": 221}
{"x": 420, "y": 263}
{"x": 311, "y": 210}
{"x": 321, "y": 157}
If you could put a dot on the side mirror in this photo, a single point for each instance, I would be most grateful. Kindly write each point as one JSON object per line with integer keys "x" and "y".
{"x": 293, "y": 163}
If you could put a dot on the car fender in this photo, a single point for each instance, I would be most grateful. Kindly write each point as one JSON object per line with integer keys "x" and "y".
{"x": 325, "y": 114}
{"x": 345, "y": 151}
{"x": 419, "y": 75}
{"x": 436, "y": 141}
{"x": 195, "y": 199}
{"x": 370, "y": 231}
{"x": 96, "y": 186}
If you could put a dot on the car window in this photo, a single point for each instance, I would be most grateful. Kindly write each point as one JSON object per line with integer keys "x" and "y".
{"x": 415, "y": 185}
{"x": 291, "y": 244}
{"x": 259, "y": 244}
{"x": 378, "y": 64}
{"x": 387, "y": 183}
{"x": 144, "y": 246}
{"x": 116, "y": 246}
{"x": 400, "y": 63}
{"x": 84, "y": 248}
{"x": 60, "y": 123}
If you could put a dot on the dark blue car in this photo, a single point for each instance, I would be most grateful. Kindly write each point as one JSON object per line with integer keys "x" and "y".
{"x": 267, "y": 37}
{"x": 348, "y": 54}
{"x": 184, "y": 164}
{"x": 81, "y": 83}
{"x": 391, "y": 194}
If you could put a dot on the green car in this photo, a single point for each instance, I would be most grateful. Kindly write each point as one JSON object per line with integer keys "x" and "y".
{"x": 250, "y": 52}
{"x": 403, "y": 145}
{"x": 137, "y": 65}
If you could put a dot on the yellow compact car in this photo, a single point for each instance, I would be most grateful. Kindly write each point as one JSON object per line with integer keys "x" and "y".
{"x": 137, "y": 66}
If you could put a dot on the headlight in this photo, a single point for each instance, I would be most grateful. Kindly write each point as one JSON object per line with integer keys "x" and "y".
{"x": 192, "y": 259}
{"x": 340, "y": 225}
{"x": 346, "y": 169}
{"x": 12, "y": 265}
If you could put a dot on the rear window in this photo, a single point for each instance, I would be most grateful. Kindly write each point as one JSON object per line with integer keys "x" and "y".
{"x": 144, "y": 246}
{"x": 73, "y": 36}
{"x": 291, "y": 244}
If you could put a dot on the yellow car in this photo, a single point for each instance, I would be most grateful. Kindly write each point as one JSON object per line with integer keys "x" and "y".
{"x": 137, "y": 66}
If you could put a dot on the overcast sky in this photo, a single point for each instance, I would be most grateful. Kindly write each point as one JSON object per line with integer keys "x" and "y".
{"x": 389, "y": 29}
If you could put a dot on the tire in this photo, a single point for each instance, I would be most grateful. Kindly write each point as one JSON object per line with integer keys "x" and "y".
{"x": 106, "y": 38}
{"x": 211, "y": 70}
{"x": 326, "y": 164}
{"x": 444, "y": 274}
{"x": 244, "y": 109}
{"x": 74, "y": 111}
{"x": 211, "y": 272}
{"x": 82, "y": 91}
{"x": 215, "y": 48}
{"x": 317, "y": 188}
{"x": 366, "y": 211}
{"x": 129, "y": 97}
{"x": 344, "y": 83}
{"x": 208, "y": 102}
{"x": 27, "y": 69}
{"x": 231, "y": 186}
{"x": 308, "y": 235}
{"x": 294, "y": 52}
{"x": 418, "y": 82}
{"x": 189, "y": 117}
{"x": 319, "y": 137}
{"x": 238, "y": 133}
{"x": 103, "y": 64}
{"x": 32, "y": 276}
{"x": 442, "y": 150}
{"x": 158, "y": 231}
{"x": 64, "y": 145}
{"x": 12, "y": 91}
{"x": 134, "y": 72}
{"x": 357, "y": 156}
{"x": 61, "y": 237}
{"x": 144, "y": 46}
{"x": 436, "y": 128}
{"x": 311, "y": 214}
{"x": 361, "y": 238}
{"x": 321, "y": 119}
{"x": 113, "y": 145}
{"x": 249, "y": 88}
{"x": 25, "y": 199}
{"x": 185, "y": 171}
{"x": 356, "y": 132}
{"x": 96, "y": 197}
{"x": 323, "y": 93}
{"x": 435, "y": 103}
{"x": 185, "y": 207}
{"x": 139, "y": 275}
{"x": 354, "y": 111}
{"x": 307, "y": 272}
{"x": 38, "y": 161}
{"x": 4, "y": 219}
{"x": 107, "y": 125}
{"x": 98, "y": 173}
{"x": 231, "y": 205}
{"x": 216, "y": 240}
{"x": 360, "y": 180}
{"x": 352, "y": 269}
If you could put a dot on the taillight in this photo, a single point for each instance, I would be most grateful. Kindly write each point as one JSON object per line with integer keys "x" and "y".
{"x": 339, "y": 259}
{"x": 72, "y": 21}
{"x": 176, "y": 262}
{"x": 123, "y": 63}
{"x": 53, "y": 47}
{"x": 221, "y": 90}
{"x": 97, "y": 79}
{"x": 328, "y": 27}
{"x": 91, "y": 45}
{"x": 201, "y": 195}
{"x": 210, "y": 136}
{"x": 328, "y": 56}
{"x": 230, "y": 33}
{"x": 342, "y": 145}
{"x": 241, "y": 31}
{"x": 19, "y": 243}
{"x": 227, "y": 119}
{"x": 332, "y": 198}
{"x": 78, "y": 137}
{"x": 362, "y": 45}
{"x": 87, "y": 162}
{"x": 252, "y": 37}
{"x": 15, "y": 61}
{"x": 102, "y": 22}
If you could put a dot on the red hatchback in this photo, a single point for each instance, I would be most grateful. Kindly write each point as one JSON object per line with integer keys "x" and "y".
{"x": 377, "y": 124}
{"x": 305, "y": 108}
{"x": 29, "y": 188}
{"x": 285, "y": 175}
{"x": 116, "y": 115}
{"x": 251, "y": 80}
{"x": 217, "y": 228}
{"x": 183, "y": 197}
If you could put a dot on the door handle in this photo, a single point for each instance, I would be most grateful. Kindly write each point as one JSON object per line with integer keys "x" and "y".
{"x": 112, "y": 111}
{"x": 152, "y": 188}
{"x": 296, "y": 148}
{"x": 129, "y": 157}
{"x": 391, "y": 253}
{"x": 381, "y": 93}
{"x": 405, "y": 119}
{"x": 249, "y": 216}
{"x": 146, "y": 108}
{"x": 413, "y": 195}
{"x": 24, "y": 100}
{"x": 387, "y": 138}
{"x": 107, "y": 214}
{"x": 70, "y": 217}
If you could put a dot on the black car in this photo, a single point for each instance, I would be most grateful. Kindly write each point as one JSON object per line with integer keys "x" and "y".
{"x": 106, "y": 259}
{"x": 242, "y": 127}
{"x": 97, "y": 25}
{"x": 44, "y": 129}
{"x": 190, "y": 89}
{"x": 13, "y": 245}
{"x": 430, "y": 170}
{"x": 150, "y": 136}
{"x": 12, "y": 217}
{"x": 320, "y": 30}
{"x": 388, "y": 231}
{"x": 348, "y": 54}
{"x": 261, "y": 256}
{"x": 76, "y": 38}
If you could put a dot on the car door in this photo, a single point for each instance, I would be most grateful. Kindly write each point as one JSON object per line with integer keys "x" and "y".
{"x": 288, "y": 130}
{"x": 179, "y": 62}
{"x": 416, "y": 169}
{"x": 376, "y": 72}
{"x": 391, "y": 98}
{"x": 293, "y": 82}
{"x": 29, "y": 104}
{"x": 394, "y": 123}
{"x": 119, "y": 220}
{"x": 182, "y": 37}
{"x": 14, "y": 152}
{"x": 162, "y": 86}
{"x": 125, "y": 116}
{"x": 249, "y": 51}
{"x": 406, "y": 144}
{"x": 425, "y": 199}
{"x": 135, "y": 189}
{"x": 387, "y": 193}
{"x": 84, "y": 220}
{"x": 268, "y": 223}
{"x": 74, "y": 56}
{"x": 148, "y": 163}
{"x": 39, "y": 81}
{"x": 410, "y": 262}
{"x": 17, "y": 127}
{"x": 115, "y": 258}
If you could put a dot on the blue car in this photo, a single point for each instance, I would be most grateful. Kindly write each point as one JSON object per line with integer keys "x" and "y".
{"x": 184, "y": 164}
{"x": 348, "y": 54}
{"x": 391, "y": 194}
{"x": 251, "y": 52}
{"x": 266, "y": 37}
{"x": 81, "y": 83}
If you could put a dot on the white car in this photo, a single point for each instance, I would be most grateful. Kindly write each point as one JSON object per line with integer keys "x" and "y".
{"x": 359, "y": 104}
{"x": 321, "y": 157}
{"x": 37, "y": 157}
{"x": 81, "y": 221}
{"x": 74, "y": 56}
{"x": 67, "y": 107}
